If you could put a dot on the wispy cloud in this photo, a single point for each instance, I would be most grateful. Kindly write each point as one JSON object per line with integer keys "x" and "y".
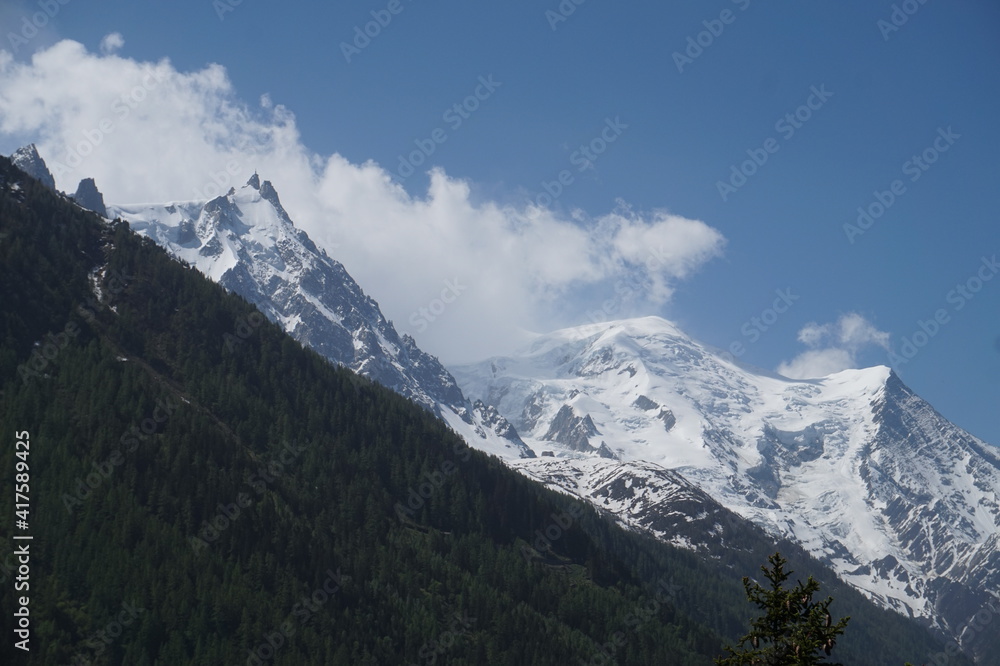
{"x": 112, "y": 43}
{"x": 833, "y": 346}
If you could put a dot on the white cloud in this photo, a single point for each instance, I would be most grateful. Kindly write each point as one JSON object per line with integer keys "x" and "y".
{"x": 812, "y": 333}
{"x": 112, "y": 42}
{"x": 147, "y": 132}
{"x": 833, "y": 346}
{"x": 817, "y": 363}
{"x": 856, "y": 332}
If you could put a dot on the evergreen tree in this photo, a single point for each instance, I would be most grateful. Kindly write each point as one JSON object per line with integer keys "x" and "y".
{"x": 793, "y": 628}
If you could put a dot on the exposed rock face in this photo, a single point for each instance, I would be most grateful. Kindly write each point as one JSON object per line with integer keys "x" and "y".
{"x": 89, "y": 197}
{"x": 572, "y": 431}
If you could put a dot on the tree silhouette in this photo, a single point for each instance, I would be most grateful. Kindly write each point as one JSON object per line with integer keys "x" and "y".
{"x": 793, "y": 629}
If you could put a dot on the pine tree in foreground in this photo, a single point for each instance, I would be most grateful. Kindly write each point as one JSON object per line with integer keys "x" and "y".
{"x": 793, "y": 631}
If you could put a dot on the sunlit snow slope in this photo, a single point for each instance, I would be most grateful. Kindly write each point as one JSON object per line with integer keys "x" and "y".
{"x": 864, "y": 474}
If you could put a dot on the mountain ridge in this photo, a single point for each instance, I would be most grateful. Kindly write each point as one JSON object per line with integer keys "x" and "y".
{"x": 246, "y": 241}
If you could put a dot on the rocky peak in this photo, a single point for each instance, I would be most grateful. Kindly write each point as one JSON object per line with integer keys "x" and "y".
{"x": 30, "y": 162}
{"x": 89, "y": 197}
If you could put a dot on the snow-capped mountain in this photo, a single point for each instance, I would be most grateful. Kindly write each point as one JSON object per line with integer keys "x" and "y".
{"x": 246, "y": 242}
{"x": 646, "y": 423}
{"x": 864, "y": 474}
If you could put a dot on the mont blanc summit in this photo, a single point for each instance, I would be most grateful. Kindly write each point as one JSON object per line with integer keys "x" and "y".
{"x": 854, "y": 466}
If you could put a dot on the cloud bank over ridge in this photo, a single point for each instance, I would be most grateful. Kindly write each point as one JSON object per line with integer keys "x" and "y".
{"x": 149, "y": 133}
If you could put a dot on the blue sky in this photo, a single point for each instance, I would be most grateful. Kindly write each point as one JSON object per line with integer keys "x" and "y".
{"x": 670, "y": 100}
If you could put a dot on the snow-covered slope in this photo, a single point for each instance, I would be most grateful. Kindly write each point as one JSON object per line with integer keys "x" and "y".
{"x": 864, "y": 474}
{"x": 246, "y": 242}
{"x": 640, "y": 495}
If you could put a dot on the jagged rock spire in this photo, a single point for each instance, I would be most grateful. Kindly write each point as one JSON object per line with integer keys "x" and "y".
{"x": 29, "y": 161}
{"x": 89, "y": 197}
